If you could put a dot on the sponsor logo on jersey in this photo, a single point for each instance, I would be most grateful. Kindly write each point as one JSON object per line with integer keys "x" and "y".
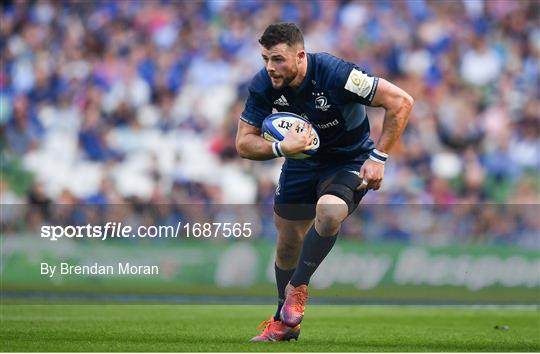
{"x": 327, "y": 125}
{"x": 282, "y": 101}
{"x": 359, "y": 83}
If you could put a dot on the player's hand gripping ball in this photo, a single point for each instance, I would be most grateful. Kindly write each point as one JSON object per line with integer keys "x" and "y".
{"x": 276, "y": 126}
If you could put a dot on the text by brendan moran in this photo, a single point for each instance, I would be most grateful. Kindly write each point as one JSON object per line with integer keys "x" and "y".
{"x": 121, "y": 268}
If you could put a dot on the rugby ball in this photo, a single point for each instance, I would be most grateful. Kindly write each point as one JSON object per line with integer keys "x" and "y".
{"x": 276, "y": 126}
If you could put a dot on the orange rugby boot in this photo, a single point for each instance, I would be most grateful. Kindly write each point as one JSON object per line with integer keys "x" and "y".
{"x": 275, "y": 331}
{"x": 292, "y": 311}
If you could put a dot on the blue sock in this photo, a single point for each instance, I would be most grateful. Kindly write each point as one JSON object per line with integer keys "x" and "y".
{"x": 282, "y": 279}
{"x": 314, "y": 250}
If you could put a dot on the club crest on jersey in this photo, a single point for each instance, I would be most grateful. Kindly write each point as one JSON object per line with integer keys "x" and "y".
{"x": 321, "y": 102}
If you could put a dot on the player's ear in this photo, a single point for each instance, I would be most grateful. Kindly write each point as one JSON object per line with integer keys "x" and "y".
{"x": 300, "y": 56}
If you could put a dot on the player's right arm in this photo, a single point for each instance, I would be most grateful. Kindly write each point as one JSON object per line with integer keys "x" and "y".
{"x": 251, "y": 145}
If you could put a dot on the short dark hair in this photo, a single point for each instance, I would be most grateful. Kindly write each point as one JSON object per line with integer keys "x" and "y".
{"x": 284, "y": 32}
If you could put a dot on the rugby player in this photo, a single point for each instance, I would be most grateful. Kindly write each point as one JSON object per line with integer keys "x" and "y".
{"x": 316, "y": 194}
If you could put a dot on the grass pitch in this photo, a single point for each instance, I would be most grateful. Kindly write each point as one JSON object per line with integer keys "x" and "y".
{"x": 178, "y": 328}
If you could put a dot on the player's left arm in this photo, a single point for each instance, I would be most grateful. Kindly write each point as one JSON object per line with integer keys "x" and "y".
{"x": 398, "y": 105}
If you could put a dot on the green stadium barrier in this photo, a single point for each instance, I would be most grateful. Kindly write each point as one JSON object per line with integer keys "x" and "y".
{"x": 353, "y": 270}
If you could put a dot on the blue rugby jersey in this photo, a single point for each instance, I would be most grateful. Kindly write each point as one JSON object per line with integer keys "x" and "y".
{"x": 332, "y": 97}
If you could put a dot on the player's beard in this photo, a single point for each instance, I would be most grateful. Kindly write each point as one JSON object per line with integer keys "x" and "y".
{"x": 286, "y": 80}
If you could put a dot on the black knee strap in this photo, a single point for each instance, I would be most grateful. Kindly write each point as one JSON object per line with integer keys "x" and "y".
{"x": 343, "y": 185}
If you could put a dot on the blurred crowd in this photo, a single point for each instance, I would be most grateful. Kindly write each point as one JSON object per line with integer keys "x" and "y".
{"x": 137, "y": 102}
